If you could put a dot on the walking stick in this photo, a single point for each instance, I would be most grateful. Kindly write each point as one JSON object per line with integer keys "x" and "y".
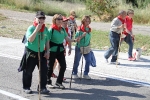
{"x": 81, "y": 70}
{"x": 81, "y": 65}
{"x": 39, "y": 59}
{"x": 118, "y": 49}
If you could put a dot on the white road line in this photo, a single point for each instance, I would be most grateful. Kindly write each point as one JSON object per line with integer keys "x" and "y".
{"x": 10, "y": 56}
{"x": 12, "y": 95}
{"x": 10, "y": 43}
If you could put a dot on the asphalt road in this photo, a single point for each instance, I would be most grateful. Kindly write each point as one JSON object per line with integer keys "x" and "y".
{"x": 99, "y": 88}
{"x": 128, "y": 81}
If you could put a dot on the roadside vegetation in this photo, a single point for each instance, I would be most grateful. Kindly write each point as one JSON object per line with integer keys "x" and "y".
{"x": 98, "y": 9}
{"x": 100, "y": 39}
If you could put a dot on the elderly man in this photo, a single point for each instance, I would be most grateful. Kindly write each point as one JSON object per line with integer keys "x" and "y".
{"x": 117, "y": 26}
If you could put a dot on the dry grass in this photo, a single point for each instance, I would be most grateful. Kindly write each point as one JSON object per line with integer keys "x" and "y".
{"x": 13, "y": 28}
{"x": 2, "y": 17}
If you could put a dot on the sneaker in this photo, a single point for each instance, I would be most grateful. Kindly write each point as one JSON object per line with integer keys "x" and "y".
{"x": 60, "y": 86}
{"x": 86, "y": 77}
{"x": 44, "y": 91}
{"x": 131, "y": 59}
{"x": 114, "y": 63}
{"x": 53, "y": 75}
{"x": 27, "y": 91}
{"x": 106, "y": 60}
{"x": 75, "y": 76}
{"x": 49, "y": 84}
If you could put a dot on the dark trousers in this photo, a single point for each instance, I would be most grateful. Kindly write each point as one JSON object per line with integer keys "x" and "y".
{"x": 62, "y": 62}
{"x": 113, "y": 50}
{"x": 72, "y": 33}
{"x": 27, "y": 72}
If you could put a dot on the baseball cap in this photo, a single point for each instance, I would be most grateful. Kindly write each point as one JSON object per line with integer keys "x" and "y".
{"x": 65, "y": 19}
{"x": 40, "y": 14}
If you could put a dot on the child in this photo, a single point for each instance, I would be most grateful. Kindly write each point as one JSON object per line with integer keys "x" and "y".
{"x": 128, "y": 31}
{"x": 72, "y": 23}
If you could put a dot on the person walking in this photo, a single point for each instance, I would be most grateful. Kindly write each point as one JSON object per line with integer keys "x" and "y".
{"x": 56, "y": 36}
{"x": 129, "y": 39}
{"x": 65, "y": 43}
{"x": 36, "y": 36}
{"x": 84, "y": 33}
{"x": 117, "y": 26}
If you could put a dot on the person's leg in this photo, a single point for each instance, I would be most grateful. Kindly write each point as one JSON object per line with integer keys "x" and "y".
{"x": 62, "y": 61}
{"x": 111, "y": 50}
{"x": 54, "y": 67}
{"x": 50, "y": 67}
{"x": 72, "y": 34}
{"x": 129, "y": 41}
{"x": 27, "y": 73}
{"x": 76, "y": 60}
{"x": 115, "y": 43}
{"x": 115, "y": 53}
{"x": 87, "y": 63}
{"x": 43, "y": 72}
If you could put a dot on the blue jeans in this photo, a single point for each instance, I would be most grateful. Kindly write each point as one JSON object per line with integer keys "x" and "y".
{"x": 113, "y": 50}
{"x": 77, "y": 60}
{"x": 128, "y": 40}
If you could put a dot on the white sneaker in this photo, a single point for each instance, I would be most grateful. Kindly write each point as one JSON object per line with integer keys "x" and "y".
{"x": 106, "y": 60}
{"x": 86, "y": 77}
{"x": 115, "y": 63}
{"x": 75, "y": 76}
{"x": 50, "y": 86}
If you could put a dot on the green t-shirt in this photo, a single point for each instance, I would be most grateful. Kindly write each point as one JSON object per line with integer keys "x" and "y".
{"x": 34, "y": 45}
{"x": 57, "y": 37}
{"x": 83, "y": 42}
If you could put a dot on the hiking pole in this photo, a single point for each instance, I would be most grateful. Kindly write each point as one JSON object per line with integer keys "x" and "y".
{"x": 39, "y": 58}
{"x": 118, "y": 49}
{"x": 71, "y": 78}
{"x": 82, "y": 65}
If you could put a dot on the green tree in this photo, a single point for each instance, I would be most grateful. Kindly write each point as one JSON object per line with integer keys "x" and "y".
{"x": 101, "y": 7}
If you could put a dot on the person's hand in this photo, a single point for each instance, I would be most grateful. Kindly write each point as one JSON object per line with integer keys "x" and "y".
{"x": 47, "y": 55}
{"x": 84, "y": 34}
{"x": 38, "y": 27}
{"x": 78, "y": 39}
{"x": 69, "y": 52}
{"x": 133, "y": 36}
{"x": 122, "y": 26}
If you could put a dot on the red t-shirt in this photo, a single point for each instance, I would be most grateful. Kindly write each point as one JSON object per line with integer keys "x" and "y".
{"x": 128, "y": 22}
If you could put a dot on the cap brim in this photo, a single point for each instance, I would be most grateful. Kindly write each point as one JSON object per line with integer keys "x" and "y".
{"x": 39, "y": 16}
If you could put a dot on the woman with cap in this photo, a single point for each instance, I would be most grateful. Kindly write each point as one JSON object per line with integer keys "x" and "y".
{"x": 36, "y": 38}
{"x": 84, "y": 33}
{"x": 56, "y": 36}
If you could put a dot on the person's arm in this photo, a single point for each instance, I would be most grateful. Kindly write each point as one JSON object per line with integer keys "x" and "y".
{"x": 115, "y": 26}
{"x": 47, "y": 53}
{"x": 70, "y": 40}
{"x": 69, "y": 45}
{"x": 33, "y": 35}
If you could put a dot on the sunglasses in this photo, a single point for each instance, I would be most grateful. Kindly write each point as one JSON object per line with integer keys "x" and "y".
{"x": 59, "y": 19}
{"x": 41, "y": 18}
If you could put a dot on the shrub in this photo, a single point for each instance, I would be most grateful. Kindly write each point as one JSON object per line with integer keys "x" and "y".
{"x": 102, "y": 7}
